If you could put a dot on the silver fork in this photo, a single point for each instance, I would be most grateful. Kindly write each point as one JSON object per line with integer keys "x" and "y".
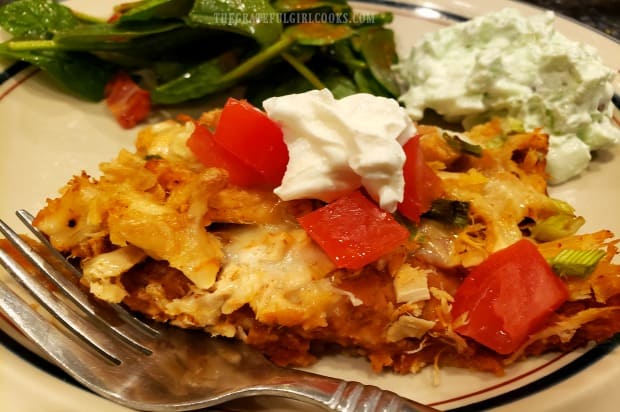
{"x": 148, "y": 367}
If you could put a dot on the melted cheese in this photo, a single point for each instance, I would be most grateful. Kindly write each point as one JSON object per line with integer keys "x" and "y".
{"x": 501, "y": 202}
{"x": 283, "y": 274}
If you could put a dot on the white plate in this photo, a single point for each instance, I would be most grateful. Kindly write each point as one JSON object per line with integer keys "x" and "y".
{"x": 47, "y": 136}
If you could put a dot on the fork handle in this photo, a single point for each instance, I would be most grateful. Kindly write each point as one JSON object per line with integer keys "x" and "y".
{"x": 343, "y": 396}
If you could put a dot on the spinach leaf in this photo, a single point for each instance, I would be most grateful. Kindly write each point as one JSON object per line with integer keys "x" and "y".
{"x": 219, "y": 73}
{"x": 82, "y": 74}
{"x": 318, "y": 34}
{"x": 253, "y": 18}
{"x": 303, "y": 70}
{"x": 367, "y": 83}
{"x": 342, "y": 52}
{"x": 339, "y": 83}
{"x": 283, "y": 79}
{"x": 313, "y": 11}
{"x": 199, "y": 81}
{"x": 109, "y": 36}
{"x": 216, "y": 75}
{"x": 376, "y": 45}
{"x": 96, "y": 37}
{"x": 311, "y": 5}
{"x": 188, "y": 49}
{"x": 36, "y": 19}
{"x": 155, "y": 9}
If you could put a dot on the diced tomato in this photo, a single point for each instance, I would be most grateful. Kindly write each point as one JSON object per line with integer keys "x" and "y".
{"x": 210, "y": 154}
{"x": 114, "y": 17}
{"x": 422, "y": 185}
{"x": 129, "y": 103}
{"x": 353, "y": 231}
{"x": 254, "y": 138}
{"x": 508, "y": 297}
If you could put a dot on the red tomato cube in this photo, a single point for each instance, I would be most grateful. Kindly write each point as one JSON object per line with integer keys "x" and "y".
{"x": 508, "y": 297}
{"x": 210, "y": 154}
{"x": 255, "y": 139}
{"x": 422, "y": 185}
{"x": 353, "y": 231}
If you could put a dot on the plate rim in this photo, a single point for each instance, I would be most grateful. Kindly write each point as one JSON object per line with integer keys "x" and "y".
{"x": 595, "y": 353}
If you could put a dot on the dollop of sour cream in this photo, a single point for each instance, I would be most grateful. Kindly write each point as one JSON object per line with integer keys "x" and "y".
{"x": 338, "y": 145}
{"x": 504, "y": 64}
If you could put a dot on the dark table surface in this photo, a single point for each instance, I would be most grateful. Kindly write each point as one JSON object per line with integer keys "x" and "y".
{"x": 603, "y": 15}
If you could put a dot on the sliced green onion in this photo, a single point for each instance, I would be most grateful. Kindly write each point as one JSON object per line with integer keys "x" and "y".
{"x": 460, "y": 145}
{"x": 452, "y": 212}
{"x": 511, "y": 125}
{"x": 562, "y": 206}
{"x": 573, "y": 262}
{"x": 408, "y": 224}
{"x": 556, "y": 227}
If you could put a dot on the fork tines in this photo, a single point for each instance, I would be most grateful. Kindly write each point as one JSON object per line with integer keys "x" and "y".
{"x": 96, "y": 320}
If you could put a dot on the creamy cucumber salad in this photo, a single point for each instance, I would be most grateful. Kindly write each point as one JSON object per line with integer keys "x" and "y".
{"x": 504, "y": 64}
